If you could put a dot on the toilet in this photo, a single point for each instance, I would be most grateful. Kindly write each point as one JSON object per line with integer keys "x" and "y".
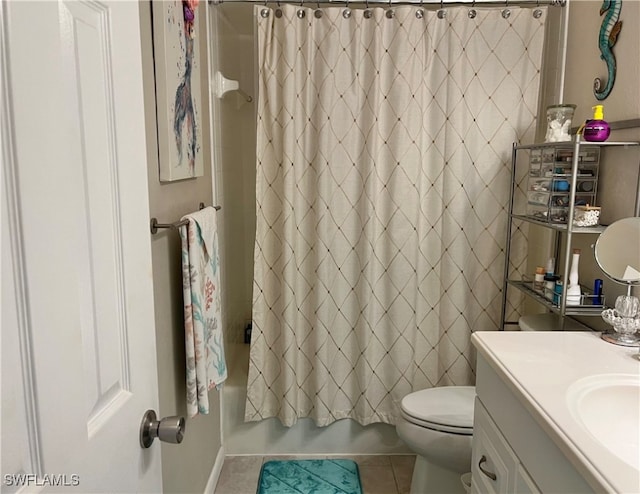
{"x": 549, "y": 322}
{"x": 437, "y": 424}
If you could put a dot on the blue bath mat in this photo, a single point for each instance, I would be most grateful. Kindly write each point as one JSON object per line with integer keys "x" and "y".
{"x": 310, "y": 477}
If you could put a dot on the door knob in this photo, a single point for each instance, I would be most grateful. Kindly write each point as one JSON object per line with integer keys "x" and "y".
{"x": 168, "y": 429}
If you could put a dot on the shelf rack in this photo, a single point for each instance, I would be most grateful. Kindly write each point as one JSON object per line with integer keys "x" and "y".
{"x": 566, "y": 229}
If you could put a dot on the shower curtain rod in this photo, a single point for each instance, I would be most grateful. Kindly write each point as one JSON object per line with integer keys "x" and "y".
{"x": 424, "y": 3}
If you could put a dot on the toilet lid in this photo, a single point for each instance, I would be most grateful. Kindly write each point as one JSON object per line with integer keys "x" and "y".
{"x": 450, "y": 406}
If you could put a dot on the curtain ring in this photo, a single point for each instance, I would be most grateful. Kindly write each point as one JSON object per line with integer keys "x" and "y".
{"x": 346, "y": 13}
{"x": 441, "y": 12}
{"x": 264, "y": 12}
{"x": 506, "y": 12}
{"x": 420, "y": 11}
{"x": 390, "y": 13}
{"x": 301, "y": 13}
{"x": 537, "y": 13}
{"x": 472, "y": 11}
{"x": 366, "y": 13}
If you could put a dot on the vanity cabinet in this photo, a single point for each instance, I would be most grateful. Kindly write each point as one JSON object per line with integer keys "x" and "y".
{"x": 548, "y": 181}
{"x": 510, "y": 445}
{"x": 495, "y": 468}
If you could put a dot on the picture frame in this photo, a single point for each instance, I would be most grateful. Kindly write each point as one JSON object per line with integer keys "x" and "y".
{"x": 178, "y": 91}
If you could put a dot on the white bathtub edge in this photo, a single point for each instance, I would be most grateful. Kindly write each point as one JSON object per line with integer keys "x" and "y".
{"x": 215, "y": 472}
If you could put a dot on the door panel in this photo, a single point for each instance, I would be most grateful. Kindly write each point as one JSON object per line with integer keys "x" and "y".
{"x": 101, "y": 293}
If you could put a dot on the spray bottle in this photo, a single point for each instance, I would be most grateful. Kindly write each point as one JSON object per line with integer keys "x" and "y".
{"x": 596, "y": 130}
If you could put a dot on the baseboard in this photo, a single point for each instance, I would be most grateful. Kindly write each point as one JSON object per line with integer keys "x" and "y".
{"x": 215, "y": 472}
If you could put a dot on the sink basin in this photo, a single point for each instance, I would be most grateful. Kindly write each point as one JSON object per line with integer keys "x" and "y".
{"x": 607, "y": 406}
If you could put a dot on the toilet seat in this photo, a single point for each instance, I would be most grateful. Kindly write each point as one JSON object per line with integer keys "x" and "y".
{"x": 445, "y": 409}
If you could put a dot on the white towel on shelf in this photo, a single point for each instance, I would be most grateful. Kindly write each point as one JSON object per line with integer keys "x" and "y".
{"x": 206, "y": 366}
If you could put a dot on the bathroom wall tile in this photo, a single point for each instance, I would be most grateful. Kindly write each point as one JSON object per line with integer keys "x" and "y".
{"x": 239, "y": 475}
{"x": 377, "y": 479}
{"x": 403, "y": 471}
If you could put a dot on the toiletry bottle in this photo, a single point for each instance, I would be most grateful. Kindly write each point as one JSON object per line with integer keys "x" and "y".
{"x": 573, "y": 290}
{"x": 557, "y": 293}
{"x": 597, "y": 292}
{"x": 538, "y": 280}
{"x": 596, "y": 130}
{"x": 551, "y": 265}
{"x": 549, "y": 285}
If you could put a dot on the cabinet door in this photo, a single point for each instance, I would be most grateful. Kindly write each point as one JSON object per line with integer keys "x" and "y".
{"x": 524, "y": 484}
{"x": 493, "y": 463}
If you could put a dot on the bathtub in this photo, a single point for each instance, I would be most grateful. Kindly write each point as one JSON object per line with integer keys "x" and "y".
{"x": 270, "y": 437}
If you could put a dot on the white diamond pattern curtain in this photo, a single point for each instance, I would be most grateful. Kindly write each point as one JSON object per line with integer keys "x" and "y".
{"x": 383, "y": 159}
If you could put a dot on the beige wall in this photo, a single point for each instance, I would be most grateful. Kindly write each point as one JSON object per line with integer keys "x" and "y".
{"x": 584, "y": 63}
{"x": 620, "y": 168}
{"x": 185, "y": 467}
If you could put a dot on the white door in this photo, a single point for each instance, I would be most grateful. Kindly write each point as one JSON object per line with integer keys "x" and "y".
{"x": 78, "y": 339}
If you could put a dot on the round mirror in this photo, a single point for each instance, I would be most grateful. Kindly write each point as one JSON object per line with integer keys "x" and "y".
{"x": 617, "y": 251}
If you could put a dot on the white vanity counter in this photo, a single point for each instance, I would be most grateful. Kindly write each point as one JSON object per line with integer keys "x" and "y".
{"x": 582, "y": 392}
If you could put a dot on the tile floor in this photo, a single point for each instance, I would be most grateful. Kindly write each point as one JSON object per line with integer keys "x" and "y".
{"x": 378, "y": 474}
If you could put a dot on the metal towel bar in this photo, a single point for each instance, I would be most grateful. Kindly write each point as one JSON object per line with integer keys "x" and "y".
{"x": 177, "y": 224}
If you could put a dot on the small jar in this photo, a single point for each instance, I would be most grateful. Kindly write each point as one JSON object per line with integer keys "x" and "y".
{"x": 550, "y": 285}
{"x": 559, "y": 123}
{"x": 586, "y": 216}
{"x": 561, "y": 185}
{"x": 538, "y": 280}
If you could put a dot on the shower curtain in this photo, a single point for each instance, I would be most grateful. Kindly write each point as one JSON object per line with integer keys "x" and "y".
{"x": 383, "y": 165}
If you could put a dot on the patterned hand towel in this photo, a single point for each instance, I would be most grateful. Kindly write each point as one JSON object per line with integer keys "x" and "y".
{"x": 206, "y": 366}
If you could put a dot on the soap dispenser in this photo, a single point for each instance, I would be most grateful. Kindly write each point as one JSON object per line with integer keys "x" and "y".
{"x": 596, "y": 130}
